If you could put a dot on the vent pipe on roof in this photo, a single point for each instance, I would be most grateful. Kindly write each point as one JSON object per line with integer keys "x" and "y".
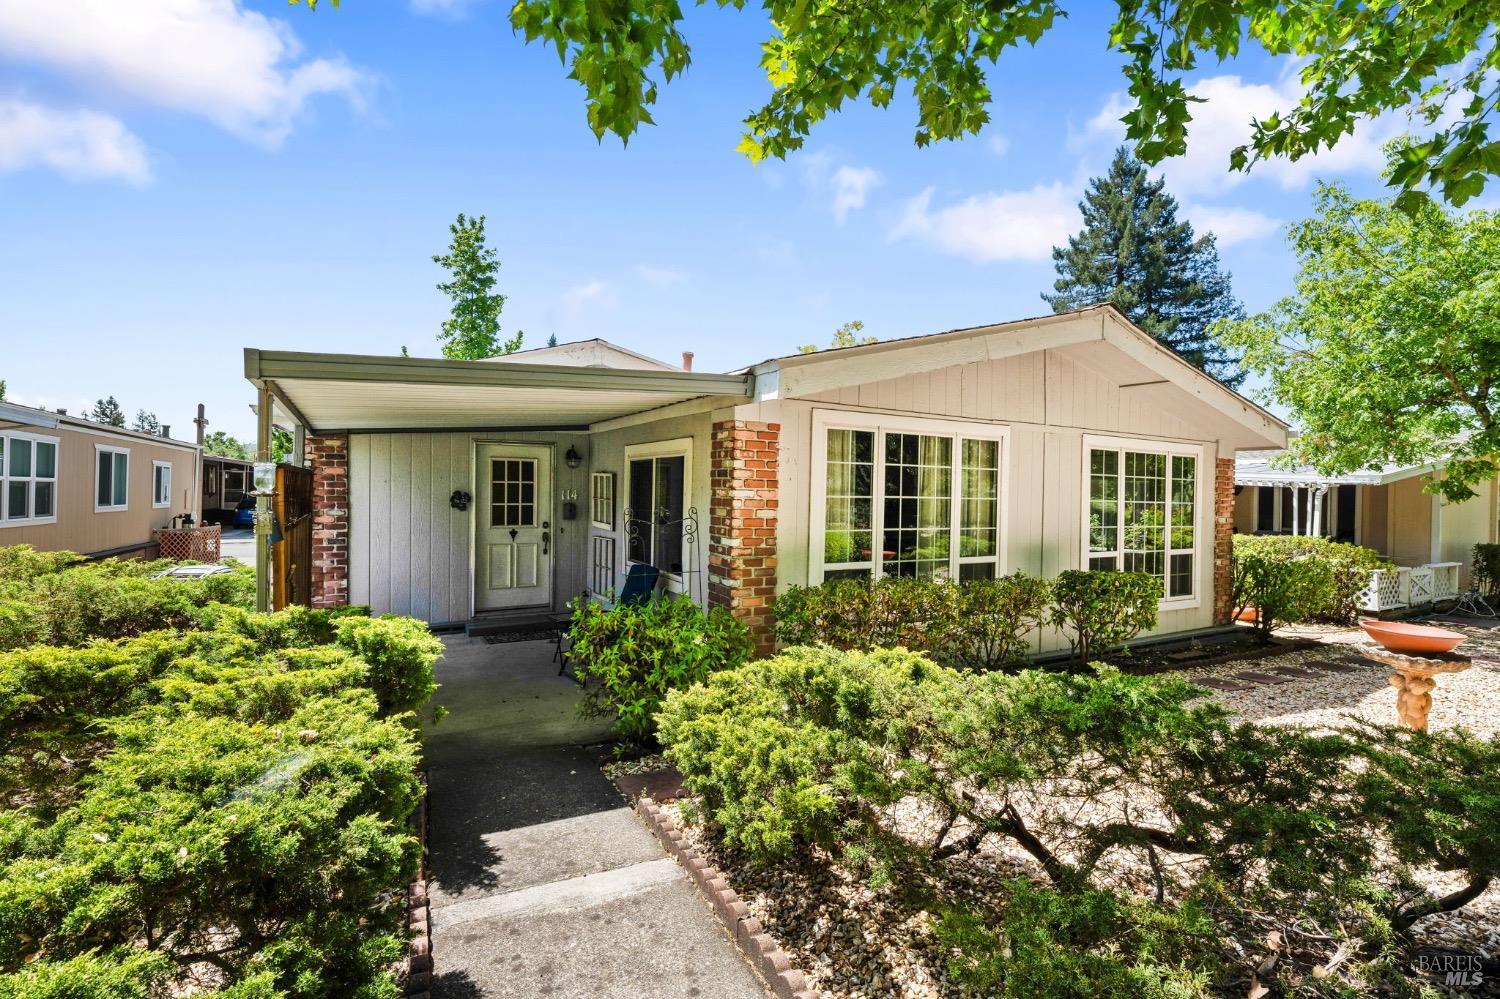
{"x": 687, "y": 360}
{"x": 166, "y": 430}
{"x": 61, "y": 411}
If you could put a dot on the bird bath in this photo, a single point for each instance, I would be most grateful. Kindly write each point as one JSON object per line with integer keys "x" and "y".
{"x": 1417, "y": 656}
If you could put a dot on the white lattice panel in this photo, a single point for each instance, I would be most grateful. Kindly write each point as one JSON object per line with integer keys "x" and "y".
{"x": 1444, "y": 580}
{"x": 1419, "y": 586}
{"x": 1383, "y": 591}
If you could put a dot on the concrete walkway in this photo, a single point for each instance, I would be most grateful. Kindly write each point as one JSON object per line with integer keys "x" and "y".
{"x": 543, "y": 882}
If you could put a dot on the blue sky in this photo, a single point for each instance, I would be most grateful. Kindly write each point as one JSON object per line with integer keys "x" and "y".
{"x": 183, "y": 178}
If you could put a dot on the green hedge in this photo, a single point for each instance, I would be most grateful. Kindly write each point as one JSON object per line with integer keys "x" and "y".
{"x": 1286, "y": 826}
{"x": 1485, "y": 569}
{"x": 1293, "y": 578}
{"x": 236, "y": 797}
{"x": 54, "y": 598}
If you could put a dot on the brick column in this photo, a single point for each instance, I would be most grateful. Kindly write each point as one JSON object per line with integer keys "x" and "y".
{"x": 742, "y": 524}
{"x": 328, "y": 457}
{"x": 1223, "y": 540}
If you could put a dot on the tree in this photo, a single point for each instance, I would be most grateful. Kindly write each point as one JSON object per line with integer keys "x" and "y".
{"x": 1357, "y": 61}
{"x": 1388, "y": 352}
{"x": 472, "y": 332}
{"x": 1133, "y": 251}
{"x": 107, "y": 411}
{"x": 2, "y": 389}
{"x": 845, "y": 336}
{"x": 146, "y": 423}
{"x": 222, "y": 444}
{"x": 551, "y": 342}
{"x": 282, "y": 443}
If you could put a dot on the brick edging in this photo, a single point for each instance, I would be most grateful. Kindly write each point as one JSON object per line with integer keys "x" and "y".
{"x": 758, "y": 947}
{"x": 419, "y": 911}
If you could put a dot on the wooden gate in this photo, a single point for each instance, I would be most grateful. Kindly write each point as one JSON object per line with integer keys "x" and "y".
{"x": 291, "y": 555}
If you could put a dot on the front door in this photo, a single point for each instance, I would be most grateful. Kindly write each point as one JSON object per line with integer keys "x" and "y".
{"x": 513, "y": 550}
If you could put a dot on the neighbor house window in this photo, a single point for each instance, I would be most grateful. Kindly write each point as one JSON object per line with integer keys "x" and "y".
{"x": 28, "y": 479}
{"x": 111, "y": 478}
{"x": 916, "y": 498}
{"x": 161, "y": 484}
{"x": 656, "y": 513}
{"x": 602, "y": 500}
{"x": 1142, "y": 515}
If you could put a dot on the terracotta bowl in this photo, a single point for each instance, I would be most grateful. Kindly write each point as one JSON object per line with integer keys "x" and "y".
{"x": 1411, "y": 639}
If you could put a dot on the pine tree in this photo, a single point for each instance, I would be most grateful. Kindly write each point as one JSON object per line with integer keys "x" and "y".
{"x": 107, "y": 411}
{"x": 472, "y": 332}
{"x": 1133, "y": 251}
{"x": 146, "y": 423}
{"x": 551, "y": 342}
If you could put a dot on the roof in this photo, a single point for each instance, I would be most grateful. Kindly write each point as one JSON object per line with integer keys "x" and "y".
{"x": 43, "y": 419}
{"x": 328, "y": 392}
{"x": 595, "y": 353}
{"x": 1259, "y": 468}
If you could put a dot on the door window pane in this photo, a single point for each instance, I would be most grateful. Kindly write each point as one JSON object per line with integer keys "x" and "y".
{"x": 638, "y": 526}
{"x": 918, "y": 505}
{"x": 669, "y": 512}
{"x": 512, "y": 492}
{"x": 850, "y": 497}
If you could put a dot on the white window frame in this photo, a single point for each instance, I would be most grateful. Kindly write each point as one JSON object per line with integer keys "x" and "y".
{"x": 678, "y": 446}
{"x": 33, "y": 478}
{"x": 595, "y": 478}
{"x": 1202, "y": 526}
{"x": 163, "y": 501}
{"x": 111, "y": 449}
{"x": 824, "y": 420}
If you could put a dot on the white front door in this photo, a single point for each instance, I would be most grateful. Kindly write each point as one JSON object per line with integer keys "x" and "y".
{"x": 513, "y": 518}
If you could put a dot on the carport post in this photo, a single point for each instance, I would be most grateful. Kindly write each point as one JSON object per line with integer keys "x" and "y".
{"x": 263, "y": 502}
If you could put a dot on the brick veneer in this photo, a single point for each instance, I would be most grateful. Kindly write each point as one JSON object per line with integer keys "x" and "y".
{"x": 742, "y": 523}
{"x": 328, "y": 456}
{"x": 1223, "y": 540}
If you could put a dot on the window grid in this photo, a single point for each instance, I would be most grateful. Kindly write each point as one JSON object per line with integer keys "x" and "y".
{"x": 918, "y": 505}
{"x": 28, "y": 479}
{"x": 1142, "y": 515}
{"x": 979, "y": 503}
{"x": 602, "y": 500}
{"x": 512, "y": 492}
{"x": 849, "y": 525}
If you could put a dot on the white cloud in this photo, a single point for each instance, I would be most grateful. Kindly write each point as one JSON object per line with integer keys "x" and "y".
{"x": 1231, "y": 225}
{"x": 660, "y": 277}
{"x": 1224, "y": 121}
{"x": 1011, "y": 225}
{"x": 81, "y": 144}
{"x": 238, "y": 68}
{"x": 999, "y": 144}
{"x": 851, "y": 185}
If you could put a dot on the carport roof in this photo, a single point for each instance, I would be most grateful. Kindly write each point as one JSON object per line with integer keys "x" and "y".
{"x": 329, "y": 392}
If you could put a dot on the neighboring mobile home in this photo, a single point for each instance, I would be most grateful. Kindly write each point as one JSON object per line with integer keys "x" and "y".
{"x": 457, "y": 490}
{"x": 69, "y": 483}
{"x": 1386, "y": 509}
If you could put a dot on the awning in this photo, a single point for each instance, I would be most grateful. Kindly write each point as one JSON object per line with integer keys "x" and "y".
{"x": 333, "y": 392}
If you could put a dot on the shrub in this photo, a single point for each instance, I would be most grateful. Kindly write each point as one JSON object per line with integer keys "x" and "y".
{"x": 1098, "y": 610}
{"x": 1485, "y": 569}
{"x": 978, "y": 624}
{"x": 639, "y": 652}
{"x": 400, "y": 653}
{"x": 1346, "y": 567}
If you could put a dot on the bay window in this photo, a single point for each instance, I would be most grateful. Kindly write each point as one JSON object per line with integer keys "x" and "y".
{"x": 1142, "y": 514}
{"x": 28, "y": 479}
{"x": 914, "y": 498}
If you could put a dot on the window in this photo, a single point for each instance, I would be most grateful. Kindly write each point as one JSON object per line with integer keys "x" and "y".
{"x": 161, "y": 484}
{"x": 512, "y": 492}
{"x": 1142, "y": 515}
{"x": 602, "y": 500}
{"x": 111, "y": 478}
{"x": 656, "y": 510}
{"x": 28, "y": 479}
{"x": 602, "y": 574}
{"x": 918, "y": 498}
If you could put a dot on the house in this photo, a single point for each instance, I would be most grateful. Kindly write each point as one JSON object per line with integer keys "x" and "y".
{"x": 1385, "y": 508}
{"x": 225, "y": 483}
{"x": 460, "y": 490}
{"x": 69, "y": 483}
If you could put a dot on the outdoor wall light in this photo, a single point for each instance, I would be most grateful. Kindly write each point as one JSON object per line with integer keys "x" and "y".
{"x": 572, "y": 457}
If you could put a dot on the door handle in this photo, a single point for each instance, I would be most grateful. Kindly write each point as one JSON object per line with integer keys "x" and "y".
{"x": 546, "y": 542}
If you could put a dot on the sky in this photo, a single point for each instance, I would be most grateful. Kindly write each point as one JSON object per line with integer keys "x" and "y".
{"x": 181, "y": 179}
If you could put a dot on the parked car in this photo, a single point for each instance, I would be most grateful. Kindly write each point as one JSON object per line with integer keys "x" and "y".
{"x": 244, "y": 512}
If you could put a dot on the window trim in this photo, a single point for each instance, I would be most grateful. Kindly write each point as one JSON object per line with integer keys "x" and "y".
{"x": 5, "y": 478}
{"x": 111, "y": 449}
{"x": 675, "y": 447}
{"x": 164, "y": 504}
{"x": 824, "y": 420}
{"x": 1202, "y": 527}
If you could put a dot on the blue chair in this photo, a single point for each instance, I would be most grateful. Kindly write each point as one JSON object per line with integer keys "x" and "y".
{"x": 640, "y": 585}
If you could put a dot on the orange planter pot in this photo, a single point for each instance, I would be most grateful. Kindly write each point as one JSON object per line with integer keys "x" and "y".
{"x": 1411, "y": 639}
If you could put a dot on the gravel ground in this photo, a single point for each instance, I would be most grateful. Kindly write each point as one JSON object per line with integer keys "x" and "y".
{"x": 855, "y": 942}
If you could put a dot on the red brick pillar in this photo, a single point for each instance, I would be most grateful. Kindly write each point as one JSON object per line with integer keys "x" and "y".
{"x": 1223, "y": 540}
{"x": 328, "y": 457}
{"x": 742, "y": 524}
